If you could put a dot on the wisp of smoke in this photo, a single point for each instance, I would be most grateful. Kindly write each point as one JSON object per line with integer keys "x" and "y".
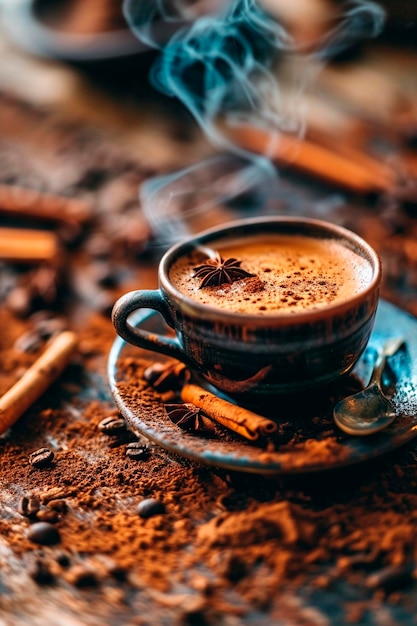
{"x": 219, "y": 64}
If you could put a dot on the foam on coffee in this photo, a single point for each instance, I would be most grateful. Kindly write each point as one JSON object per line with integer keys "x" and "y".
{"x": 293, "y": 274}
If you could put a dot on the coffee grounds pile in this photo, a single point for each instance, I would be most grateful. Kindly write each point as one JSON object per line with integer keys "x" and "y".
{"x": 101, "y": 534}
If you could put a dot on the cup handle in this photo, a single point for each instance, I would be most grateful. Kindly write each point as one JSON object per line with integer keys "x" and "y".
{"x": 146, "y": 299}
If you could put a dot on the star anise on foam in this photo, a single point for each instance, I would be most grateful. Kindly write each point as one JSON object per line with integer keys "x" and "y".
{"x": 186, "y": 416}
{"x": 217, "y": 271}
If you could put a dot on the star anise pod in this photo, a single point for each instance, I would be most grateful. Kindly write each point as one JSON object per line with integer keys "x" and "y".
{"x": 217, "y": 271}
{"x": 186, "y": 416}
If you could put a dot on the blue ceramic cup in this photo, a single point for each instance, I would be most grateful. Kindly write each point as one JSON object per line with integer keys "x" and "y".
{"x": 251, "y": 353}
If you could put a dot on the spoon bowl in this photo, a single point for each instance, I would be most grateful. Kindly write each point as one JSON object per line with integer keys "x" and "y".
{"x": 369, "y": 411}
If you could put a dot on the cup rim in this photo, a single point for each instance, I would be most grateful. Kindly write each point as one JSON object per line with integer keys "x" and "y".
{"x": 187, "y": 305}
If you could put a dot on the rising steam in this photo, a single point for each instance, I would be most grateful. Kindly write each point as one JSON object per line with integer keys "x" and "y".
{"x": 219, "y": 62}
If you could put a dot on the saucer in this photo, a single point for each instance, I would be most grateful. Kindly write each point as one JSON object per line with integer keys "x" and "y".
{"x": 307, "y": 440}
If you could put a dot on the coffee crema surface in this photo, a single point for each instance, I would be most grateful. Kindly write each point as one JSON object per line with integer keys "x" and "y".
{"x": 293, "y": 274}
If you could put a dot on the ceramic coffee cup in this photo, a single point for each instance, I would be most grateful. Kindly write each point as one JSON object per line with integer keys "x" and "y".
{"x": 294, "y": 308}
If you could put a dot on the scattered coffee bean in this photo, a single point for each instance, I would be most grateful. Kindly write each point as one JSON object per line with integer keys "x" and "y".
{"x": 43, "y": 533}
{"x": 60, "y": 506}
{"x": 40, "y": 572}
{"x": 150, "y": 507}
{"x": 112, "y": 426}
{"x": 82, "y": 576}
{"x": 47, "y": 515}
{"x": 28, "y": 506}
{"x": 137, "y": 451}
{"x": 41, "y": 458}
{"x": 118, "y": 572}
{"x": 63, "y": 559}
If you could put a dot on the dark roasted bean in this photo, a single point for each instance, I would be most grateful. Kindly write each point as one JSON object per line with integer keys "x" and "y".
{"x": 150, "y": 507}
{"x": 41, "y": 573}
{"x": 112, "y": 426}
{"x": 41, "y": 458}
{"x": 82, "y": 576}
{"x": 28, "y": 506}
{"x": 60, "y": 506}
{"x": 47, "y": 515}
{"x": 137, "y": 451}
{"x": 43, "y": 533}
{"x": 118, "y": 572}
{"x": 63, "y": 559}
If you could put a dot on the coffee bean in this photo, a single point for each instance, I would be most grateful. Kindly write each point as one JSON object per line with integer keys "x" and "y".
{"x": 43, "y": 533}
{"x": 150, "y": 507}
{"x": 28, "y": 506}
{"x": 118, "y": 572}
{"x": 60, "y": 506}
{"x": 40, "y": 572}
{"x": 63, "y": 559}
{"x": 82, "y": 576}
{"x": 46, "y": 515}
{"x": 41, "y": 458}
{"x": 112, "y": 425}
{"x": 137, "y": 451}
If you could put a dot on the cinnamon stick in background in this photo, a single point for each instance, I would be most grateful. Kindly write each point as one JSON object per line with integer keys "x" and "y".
{"x": 27, "y": 245}
{"x": 36, "y": 379}
{"x": 236, "y": 418}
{"x": 318, "y": 160}
{"x": 20, "y": 201}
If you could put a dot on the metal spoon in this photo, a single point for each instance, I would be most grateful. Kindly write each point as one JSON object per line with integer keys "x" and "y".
{"x": 369, "y": 411}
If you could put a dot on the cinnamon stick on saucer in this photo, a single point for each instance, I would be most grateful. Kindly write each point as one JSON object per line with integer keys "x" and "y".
{"x": 236, "y": 418}
{"x": 36, "y": 379}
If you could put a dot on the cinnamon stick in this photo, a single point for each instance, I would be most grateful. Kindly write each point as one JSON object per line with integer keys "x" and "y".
{"x": 36, "y": 379}
{"x": 317, "y": 160}
{"x": 20, "y": 201}
{"x": 28, "y": 245}
{"x": 236, "y": 418}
